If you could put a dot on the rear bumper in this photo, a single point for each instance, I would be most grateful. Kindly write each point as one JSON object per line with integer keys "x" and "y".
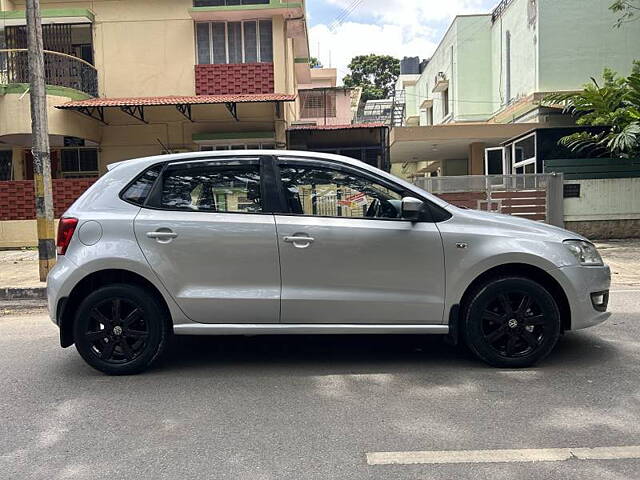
{"x": 61, "y": 279}
{"x": 580, "y": 283}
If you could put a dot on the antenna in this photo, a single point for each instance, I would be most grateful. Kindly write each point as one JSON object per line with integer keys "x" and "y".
{"x": 166, "y": 150}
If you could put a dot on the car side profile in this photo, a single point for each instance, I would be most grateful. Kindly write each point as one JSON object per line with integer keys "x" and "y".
{"x": 284, "y": 242}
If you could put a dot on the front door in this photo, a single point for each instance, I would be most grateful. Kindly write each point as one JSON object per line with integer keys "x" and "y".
{"x": 205, "y": 235}
{"x": 347, "y": 257}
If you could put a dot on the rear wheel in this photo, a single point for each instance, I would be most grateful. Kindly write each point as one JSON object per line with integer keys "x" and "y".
{"x": 120, "y": 329}
{"x": 511, "y": 322}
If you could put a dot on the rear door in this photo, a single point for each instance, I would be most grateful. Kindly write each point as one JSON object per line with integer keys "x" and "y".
{"x": 347, "y": 257}
{"x": 207, "y": 235}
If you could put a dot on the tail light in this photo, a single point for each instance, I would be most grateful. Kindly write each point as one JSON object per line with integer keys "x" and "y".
{"x": 66, "y": 227}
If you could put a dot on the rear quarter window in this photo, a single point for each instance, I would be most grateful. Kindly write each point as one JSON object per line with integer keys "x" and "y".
{"x": 138, "y": 191}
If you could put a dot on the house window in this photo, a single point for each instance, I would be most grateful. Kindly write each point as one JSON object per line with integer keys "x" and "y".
{"x": 523, "y": 155}
{"x": 445, "y": 103}
{"x": 234, "y": 42}
{"x": 239, "y": 146}
{"x": 79, "y": 162}
{"x": 227, "y": 3}
{"x": 429, "y": 114}
{"x": 494, "y": 162}
{"x": 6, "y": 165}
{"x": 317, "y": 104}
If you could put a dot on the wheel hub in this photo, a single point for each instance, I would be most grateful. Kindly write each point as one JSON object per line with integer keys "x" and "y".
{"x": 117, "y": 330}
{"x": 513, "y": 323}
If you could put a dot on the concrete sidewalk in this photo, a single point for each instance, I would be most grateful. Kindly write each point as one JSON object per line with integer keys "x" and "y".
{"x": 19, "y": 268}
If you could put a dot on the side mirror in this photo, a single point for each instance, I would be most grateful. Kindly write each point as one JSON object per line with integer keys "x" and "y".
{"x": 411, "y": 208}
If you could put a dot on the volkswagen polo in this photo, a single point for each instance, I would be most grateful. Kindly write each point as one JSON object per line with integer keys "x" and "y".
{"x": 283, "y": 242}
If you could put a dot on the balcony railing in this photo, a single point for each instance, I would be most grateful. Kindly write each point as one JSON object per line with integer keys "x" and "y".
{"x": 60, "y": 69}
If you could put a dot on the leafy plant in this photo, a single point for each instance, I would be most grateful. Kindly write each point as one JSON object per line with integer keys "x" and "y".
{"x": 629, "y": 11}
{"x": 376, "y": 74}
{"x": 314, "y": 63}
{"x": 615, "y": 105}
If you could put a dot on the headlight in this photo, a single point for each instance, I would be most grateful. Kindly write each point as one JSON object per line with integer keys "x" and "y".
{"x": 585, "y": 252}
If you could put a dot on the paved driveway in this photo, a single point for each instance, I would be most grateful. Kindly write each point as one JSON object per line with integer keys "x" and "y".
{"x": 314, "y": 407}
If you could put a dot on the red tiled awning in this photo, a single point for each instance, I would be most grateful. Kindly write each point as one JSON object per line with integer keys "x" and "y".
{"x": 349, "y": 126}
{"x": 177, "y": 100}
{"x": 135, "y": 106}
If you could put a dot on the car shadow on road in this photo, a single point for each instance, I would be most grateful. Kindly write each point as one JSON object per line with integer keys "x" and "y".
{"x": 353, "y": 353}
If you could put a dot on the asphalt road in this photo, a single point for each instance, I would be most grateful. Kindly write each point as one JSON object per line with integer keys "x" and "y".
{"x": 312, "y": 407}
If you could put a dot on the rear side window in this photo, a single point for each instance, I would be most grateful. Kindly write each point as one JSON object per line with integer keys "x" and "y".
{"x": 139, "y": 190}
{"x": 226, "y": 188}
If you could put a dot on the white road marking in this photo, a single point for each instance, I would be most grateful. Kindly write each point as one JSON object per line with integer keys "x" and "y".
{"x": 499, "y": 456}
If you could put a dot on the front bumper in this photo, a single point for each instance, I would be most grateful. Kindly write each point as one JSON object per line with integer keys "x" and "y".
{"x": 580, "y": 283}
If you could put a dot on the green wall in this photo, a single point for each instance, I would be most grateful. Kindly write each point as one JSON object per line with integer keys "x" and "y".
{"x": 578, "y": 39}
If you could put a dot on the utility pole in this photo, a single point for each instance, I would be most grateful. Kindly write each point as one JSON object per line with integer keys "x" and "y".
{"x": 40, "y": 141}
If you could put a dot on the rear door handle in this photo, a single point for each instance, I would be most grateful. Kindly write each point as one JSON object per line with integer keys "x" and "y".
{"x": 162, "y": 235}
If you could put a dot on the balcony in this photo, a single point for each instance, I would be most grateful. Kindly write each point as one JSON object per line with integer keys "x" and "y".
{"x": 61, "y": 70}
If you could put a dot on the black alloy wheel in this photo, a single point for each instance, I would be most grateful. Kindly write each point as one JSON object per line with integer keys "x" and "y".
{"x": 117, "y": 330}
{"x": 120, "y": 329}
{"x": 511, "y": 322}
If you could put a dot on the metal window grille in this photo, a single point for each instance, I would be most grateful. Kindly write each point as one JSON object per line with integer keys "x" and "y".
{"x": 318, "y": 103}
{"x": 234, "y": 42}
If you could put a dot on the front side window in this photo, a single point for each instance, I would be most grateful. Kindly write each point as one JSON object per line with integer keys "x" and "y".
{"x": 234, "y": 42}
{"x": 322, "y": 191}
{"x": 212, "y": 188}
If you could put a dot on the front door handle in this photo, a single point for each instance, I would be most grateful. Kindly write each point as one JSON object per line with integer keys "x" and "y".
{"x": 299, "y": 241}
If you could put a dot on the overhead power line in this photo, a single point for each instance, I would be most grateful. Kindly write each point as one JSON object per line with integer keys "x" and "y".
{"x": 340, "y": 19}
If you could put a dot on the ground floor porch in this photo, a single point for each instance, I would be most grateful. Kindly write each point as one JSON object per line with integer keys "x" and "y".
{"x": 451, "y": 149}
{"x": 87, "y": 135}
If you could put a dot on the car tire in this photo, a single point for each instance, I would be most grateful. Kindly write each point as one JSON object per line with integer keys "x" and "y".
{"x": 511, "y": 322}
{"x": 120, "y": 329}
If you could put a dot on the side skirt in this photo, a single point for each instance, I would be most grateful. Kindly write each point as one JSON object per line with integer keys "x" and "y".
{"x": 302, "y": 329}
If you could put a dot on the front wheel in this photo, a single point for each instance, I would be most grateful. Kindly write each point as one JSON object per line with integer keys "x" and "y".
{"x": 511, "y": 322}
{"x": 120, "y": 329}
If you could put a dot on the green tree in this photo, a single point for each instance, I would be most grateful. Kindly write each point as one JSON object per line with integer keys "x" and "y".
{"x": 314, "y": 63}
{"x": 613, "y": 104}
{"x": 376, "y": 74}
{"x": 628, "y": 11}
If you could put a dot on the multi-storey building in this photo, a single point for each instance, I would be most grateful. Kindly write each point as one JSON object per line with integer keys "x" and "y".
{"x": 141, "y": 77}
{"x": 485, "y": 82}
{"x": 329, "y": 122}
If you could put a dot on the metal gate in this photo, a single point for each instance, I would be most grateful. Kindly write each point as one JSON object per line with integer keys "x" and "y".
{"x": 534, "y": 196}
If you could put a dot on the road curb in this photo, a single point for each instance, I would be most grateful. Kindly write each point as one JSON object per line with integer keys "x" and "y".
{"x": 31, "y": 293}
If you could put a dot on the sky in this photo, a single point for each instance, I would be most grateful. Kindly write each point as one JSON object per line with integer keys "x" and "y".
{"x": 388, "y": 27}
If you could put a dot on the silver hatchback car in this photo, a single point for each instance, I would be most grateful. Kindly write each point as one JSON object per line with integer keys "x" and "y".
{"x": 283, "y": 242}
